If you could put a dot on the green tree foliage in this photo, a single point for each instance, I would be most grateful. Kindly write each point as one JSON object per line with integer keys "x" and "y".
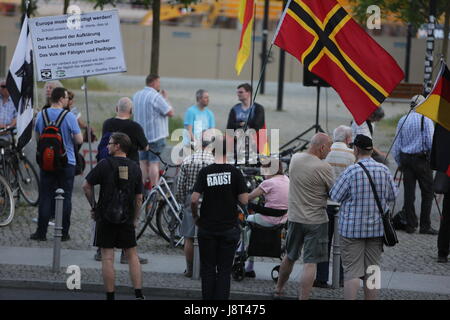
{"x": 415, "y": 12}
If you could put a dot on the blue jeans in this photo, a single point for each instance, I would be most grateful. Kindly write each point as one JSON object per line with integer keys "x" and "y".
{"x": 323, "y": 268}
{"x": 217, "y": 251}
{"x": 49, "y": 182}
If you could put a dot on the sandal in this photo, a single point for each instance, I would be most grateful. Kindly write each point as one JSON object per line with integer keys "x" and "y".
{"x": 276, "y": 295}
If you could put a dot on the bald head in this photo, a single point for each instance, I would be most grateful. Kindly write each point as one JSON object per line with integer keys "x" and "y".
{"x": 124, "y": 106}
{"x": 320, "y": 145}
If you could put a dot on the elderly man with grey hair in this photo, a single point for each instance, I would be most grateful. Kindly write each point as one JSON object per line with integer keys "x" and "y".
{"x": 340, "y": 157}
{"x": 198, "y": 118}
{"x": 311, "y": 178}
{"x": 122, "y": 123}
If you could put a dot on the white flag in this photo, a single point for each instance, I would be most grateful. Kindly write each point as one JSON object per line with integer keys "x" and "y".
{"x": 20, "y": 84}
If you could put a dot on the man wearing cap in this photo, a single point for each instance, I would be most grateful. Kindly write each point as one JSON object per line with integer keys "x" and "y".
{"x": 360, "y": 223}
{"x": 412, "y": 153}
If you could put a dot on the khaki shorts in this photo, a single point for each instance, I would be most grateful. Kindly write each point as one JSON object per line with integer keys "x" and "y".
{"x": 358, "y": 254}
{"x": 313, "y": 238}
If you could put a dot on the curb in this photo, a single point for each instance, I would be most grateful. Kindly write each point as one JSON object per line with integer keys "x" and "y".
{"x": 185, "y": 294}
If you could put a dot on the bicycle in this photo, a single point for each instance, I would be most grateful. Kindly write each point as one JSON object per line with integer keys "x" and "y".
{"x": 161, "y": 207}
{"x": 18, "y": 170}
{"x": 7, "y": 202}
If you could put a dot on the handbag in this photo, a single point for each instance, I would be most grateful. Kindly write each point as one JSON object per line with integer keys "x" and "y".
{"x": 440, "y": 183}
{"x": 390, "y": 235}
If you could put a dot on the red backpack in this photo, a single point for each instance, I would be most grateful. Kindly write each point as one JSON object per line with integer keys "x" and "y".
{"x": 51, "y": 154}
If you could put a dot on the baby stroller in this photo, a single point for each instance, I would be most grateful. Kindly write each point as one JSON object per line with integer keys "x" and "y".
{"x": 263, "y": 242}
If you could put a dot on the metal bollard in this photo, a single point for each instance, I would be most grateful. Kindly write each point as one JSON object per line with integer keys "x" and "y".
{"x": 196, "y": 262}
{"x": 59, "y": 201}
{"x": 336, "y": 252}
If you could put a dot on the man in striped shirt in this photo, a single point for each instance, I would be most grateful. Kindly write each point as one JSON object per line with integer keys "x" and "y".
{"x": 411, "y": 152}
{"x": 360, "y": 223}
{"x": 151, "y": 111}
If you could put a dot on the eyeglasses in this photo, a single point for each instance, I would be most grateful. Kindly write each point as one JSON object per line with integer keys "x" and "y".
{"x": 111, "y": 143}
{"x": 3, "y": 86}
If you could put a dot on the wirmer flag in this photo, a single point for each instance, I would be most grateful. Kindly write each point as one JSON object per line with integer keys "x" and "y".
{"x": 246, "y": 13}
{"x": 437, "y": 104}
{"x": 324, "y": 37}
{"x": 19, "y": 83}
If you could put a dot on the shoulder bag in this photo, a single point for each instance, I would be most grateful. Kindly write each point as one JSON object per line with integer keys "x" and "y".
{"x": 390, "y": 236}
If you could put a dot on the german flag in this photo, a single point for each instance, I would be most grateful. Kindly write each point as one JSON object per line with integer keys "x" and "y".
{"x": 324, "y": 37}
{"x": 246, "y": 18}
{"x": 440, "y": 151}
{"x": 437, "y": 104}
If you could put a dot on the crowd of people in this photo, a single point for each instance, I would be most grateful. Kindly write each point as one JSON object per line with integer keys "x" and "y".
{"x": 330, "y": 179}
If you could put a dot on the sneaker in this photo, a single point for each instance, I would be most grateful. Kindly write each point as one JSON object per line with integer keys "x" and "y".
{"x": 321, "y": 284}
{"x": 65, "y": 237}
{"x": 140, "y": 298}
{"x": 442, "y": 259}
{"x": 187, "y": 274}
{"x": 37, "y": 237}
{"x": 50, "y": 223}
{"x": 429, "y": 231}
{"x": 124, "y": 260}
{"x": 98, "y": 255}
{"x": 250, "y": 274}
{"x": 410, "y": 229}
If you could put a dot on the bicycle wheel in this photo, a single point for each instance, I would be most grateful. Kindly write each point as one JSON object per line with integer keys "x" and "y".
{"x": 28, "y": 181}
{"x": 147, "y": 216}
{"x": 168, "y": 224}
{"x": 7, "y": 203}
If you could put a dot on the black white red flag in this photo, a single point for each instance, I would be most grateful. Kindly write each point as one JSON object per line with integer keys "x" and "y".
{"x": 19, "y": 83}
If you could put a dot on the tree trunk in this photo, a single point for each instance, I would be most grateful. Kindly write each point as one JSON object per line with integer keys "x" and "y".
{"x": 446, "y": 32}
{"x": 154, "y": 63}
{"x": 66, "y": 5}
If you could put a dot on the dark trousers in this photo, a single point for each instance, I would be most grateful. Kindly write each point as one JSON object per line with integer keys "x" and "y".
{"x": 443, "y": 241}
{"x": 417, "y": 168}
{"x": 217, "y": 251}
{"x": 324, "y": 267}
{"x": 49, "y": 182}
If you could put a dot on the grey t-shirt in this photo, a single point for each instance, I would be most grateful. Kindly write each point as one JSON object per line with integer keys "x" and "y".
{"x": 310, "y": 181}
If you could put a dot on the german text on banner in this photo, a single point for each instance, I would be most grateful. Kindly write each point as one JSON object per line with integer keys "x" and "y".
{"x": 20, "y": 85}
{"x": 324, "y": 37}
{"x": 246, "y": 12}
{"x": 437, "y": 104}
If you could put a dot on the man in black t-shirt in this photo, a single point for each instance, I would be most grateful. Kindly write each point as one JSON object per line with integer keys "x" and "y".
{"x": 222, "y": 187}
{"x": 122, "y": 123}
{"x": 109, "y": 235}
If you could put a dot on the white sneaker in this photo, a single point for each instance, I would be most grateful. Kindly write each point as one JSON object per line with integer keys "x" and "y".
{"x": 50, "y": 223}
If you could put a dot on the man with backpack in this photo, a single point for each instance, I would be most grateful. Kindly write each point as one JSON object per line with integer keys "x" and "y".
{"x": 122, "y": 123}
{"x": 117, "y": 211}
{"x": 57, "y": 132}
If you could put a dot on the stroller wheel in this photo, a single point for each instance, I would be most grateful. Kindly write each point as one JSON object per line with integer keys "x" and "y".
{"x": 275, "y": 272}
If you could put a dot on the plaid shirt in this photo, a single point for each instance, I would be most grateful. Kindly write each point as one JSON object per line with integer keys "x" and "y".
{"x": 411, "y": 139}
{"x": 189, "y": 170}
{"x": 359, "y": 216}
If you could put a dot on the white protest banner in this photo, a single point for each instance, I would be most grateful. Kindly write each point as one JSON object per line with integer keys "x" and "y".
{"x": 90, "y": 46}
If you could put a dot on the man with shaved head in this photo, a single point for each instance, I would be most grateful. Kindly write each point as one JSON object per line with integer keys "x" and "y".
{"x": 122, "y": 123}
{"x": 310, "y": 180}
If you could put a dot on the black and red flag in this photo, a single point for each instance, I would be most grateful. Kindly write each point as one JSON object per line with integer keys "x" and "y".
{"x": 20, "y": 85}
{"x": 325, "y": 38}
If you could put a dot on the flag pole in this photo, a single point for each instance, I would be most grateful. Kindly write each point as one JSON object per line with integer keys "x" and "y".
{"x": 88, "y": 121}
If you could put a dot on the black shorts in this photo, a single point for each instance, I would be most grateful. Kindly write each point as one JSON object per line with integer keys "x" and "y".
{"x": 109, "y": 235}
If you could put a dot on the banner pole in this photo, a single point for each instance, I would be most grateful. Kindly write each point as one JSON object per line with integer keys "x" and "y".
{"x": 88, "y": 122}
